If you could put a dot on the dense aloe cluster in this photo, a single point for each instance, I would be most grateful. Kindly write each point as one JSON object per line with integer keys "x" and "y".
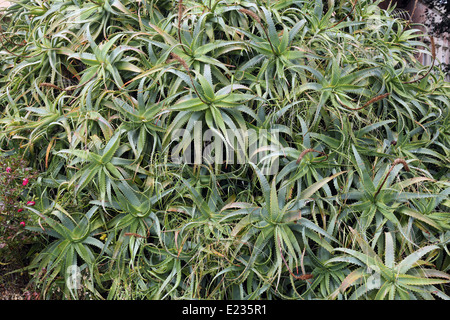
{"x": 347, "y": 198}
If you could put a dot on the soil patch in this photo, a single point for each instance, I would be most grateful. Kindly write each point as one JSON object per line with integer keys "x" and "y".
{"x": 12, "y": 285}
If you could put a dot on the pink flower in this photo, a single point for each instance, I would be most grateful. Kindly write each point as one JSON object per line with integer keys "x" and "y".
{"x": 19, "y": 210}
{"x": 25, "y": 182}
{"x": 31, "y": 203}
{"x": 22, "y": 224}
{"x": 8, "y": 169}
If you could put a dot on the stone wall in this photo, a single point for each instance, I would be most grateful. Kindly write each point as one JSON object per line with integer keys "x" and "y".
{"x": 4, "y": 4}
{"x": 442, "y": 44}
{"x": 416, "y": 10}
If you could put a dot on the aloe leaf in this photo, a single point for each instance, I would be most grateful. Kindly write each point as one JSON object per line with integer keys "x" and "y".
{"x": 273, "y": 36}
{"x": 389, "y": 259}
{"x": 206, "y": 87}
{"x": 418, "y": 281}
{"x": 111, "y": 148}
{"x": 312, "y": 189}
{"x": 264, "y": 184}
{"x": 361, "y": 168}
{"x": 273, "y": 204}
{"x": 310, "y": 225}
{"x": 354, "y": 276}
{"x": 190, "y": 105}
{"x": 417, "y": 215}
{"x": 406, "y": 264}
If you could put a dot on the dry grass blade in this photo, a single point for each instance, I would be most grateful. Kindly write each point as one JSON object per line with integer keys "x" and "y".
{"x": 186, "y": 67}
{"x": 348, "y": 14}
{"x": 50, "y": 85}
{"x": 132, "y": 234}
{"x": 301, "y": 277}
{"x": 180, "y": 60}
{"x": 258, "y": 19}
{"x": 396, "y": 162}
{"x": 252, "y": 14}
{"x": 373, "y": 100}
{"x": 304, "y": 152}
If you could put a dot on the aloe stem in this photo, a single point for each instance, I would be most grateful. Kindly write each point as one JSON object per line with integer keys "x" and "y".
{"x": 304, "y": 152}
{"x": 396, "y": 162}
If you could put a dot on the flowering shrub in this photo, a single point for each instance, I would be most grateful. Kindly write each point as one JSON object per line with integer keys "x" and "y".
{"x": 16, "y": 181}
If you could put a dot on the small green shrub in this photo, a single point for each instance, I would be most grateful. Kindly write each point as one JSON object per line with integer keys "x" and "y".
{"x": 16, "y": 184}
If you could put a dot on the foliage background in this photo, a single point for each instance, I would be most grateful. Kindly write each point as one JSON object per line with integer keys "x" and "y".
{"x": 91, "y": 93}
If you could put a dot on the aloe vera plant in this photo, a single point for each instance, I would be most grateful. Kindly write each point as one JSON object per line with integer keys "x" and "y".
{"x": 202, "y": 149}
{"x": 392, "y": 280}
{"x": 74, "y": 240}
